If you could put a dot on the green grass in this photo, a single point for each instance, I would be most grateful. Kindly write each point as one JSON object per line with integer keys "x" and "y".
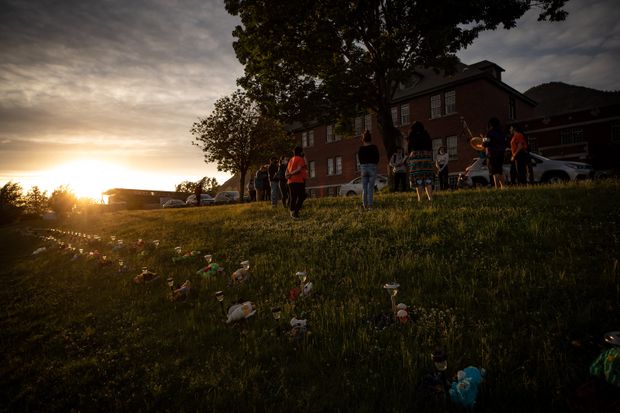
{"x": 501, "y": 279}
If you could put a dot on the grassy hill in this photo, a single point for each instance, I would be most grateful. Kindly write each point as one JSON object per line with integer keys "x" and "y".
{"x": 522, "y": 282}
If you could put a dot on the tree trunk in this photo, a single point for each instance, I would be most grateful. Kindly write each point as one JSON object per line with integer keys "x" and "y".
{"x": 242, "y": 174}
{"x": 390, "y": 134}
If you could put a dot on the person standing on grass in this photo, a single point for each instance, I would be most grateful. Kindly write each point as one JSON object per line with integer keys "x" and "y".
{"x": 260, "y": 182}
{"x": 421, "y": 172}
{"x": 251, "y": 188}
{"x": 296, "y": 175}
{"x": 520, "y": 157}
{"x": 495, "y": 146}
{"x": 442, "y": 167}
{"x": 398, "y": 162}
{"x": 198, "y": 191}
{"x": 274, "y": 181}
{"x": 368, "y": 156}
{"x": 282, "y": 180}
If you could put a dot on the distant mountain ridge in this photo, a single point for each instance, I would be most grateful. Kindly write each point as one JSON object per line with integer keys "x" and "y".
{"x": 558, "y": 97}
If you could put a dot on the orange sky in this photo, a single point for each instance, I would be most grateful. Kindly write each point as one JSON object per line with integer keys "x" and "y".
{"x": 97, "y": 95}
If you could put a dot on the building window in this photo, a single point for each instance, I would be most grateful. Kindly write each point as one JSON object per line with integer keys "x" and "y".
{"x": 312, "y": 169}
{"x": 311, "y": 138}
{"x": 452, "y": 146}
{"x": 368, "y": 122}
{"x": 330, "y": 166}
{"x": 338, "y": 165}
{"x": 304, "y": 139}
{"x": 404, "y": 114}
{"x": 358, "y": 125}
{"x": 332, "y": 191}
{"x": 450, "y": 102}
{"x": 437, "y": 143}
{"x": 512, "y": 108}
{"x": 329, "y": 133}
{"x": 569, "y": 136}
{"x": 435, "y": 106}
{"x": 395, "y": 116}
{"x": 615, "y": 132}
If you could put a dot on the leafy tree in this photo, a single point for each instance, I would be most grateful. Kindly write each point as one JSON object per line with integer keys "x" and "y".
{"x": 238, "y": 136}
{"x": 332, "y": 59}
{"x": 36, "y": 201}
{"x": 209, "y": 186}
{"x": 11, "y": 202}
{"x": 62, "y": 201}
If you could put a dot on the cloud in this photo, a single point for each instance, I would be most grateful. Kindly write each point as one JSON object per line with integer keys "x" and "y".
{"x": 583, "y": 50}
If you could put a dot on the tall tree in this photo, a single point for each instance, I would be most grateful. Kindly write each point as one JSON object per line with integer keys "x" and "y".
{"x": 329, "y": 59}
{"x": 62, "y": 201}
{"x": 36, "y": 201}
{"x": 237, "y": 136}
{"x": 11, "y": 202}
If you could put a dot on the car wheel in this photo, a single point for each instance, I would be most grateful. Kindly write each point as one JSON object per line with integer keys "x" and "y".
{"x": 351, "y": 193}
{"x": 556, "y": 177}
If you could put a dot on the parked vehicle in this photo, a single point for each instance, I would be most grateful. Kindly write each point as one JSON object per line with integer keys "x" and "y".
{"x": 545, "y": 170}
{"x": 355, "y": 186}
{"x": 205, "y": 199}
{"x": 174, "y": 203}
{"x": 226, "y": 197}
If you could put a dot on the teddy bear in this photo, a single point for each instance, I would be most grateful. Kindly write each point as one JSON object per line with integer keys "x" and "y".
{"x": 465, "y": 389}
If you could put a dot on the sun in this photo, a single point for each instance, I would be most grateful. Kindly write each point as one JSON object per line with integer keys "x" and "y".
{"x": 87, "y": 178}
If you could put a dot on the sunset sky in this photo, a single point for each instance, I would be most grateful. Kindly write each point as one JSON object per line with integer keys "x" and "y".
{"x": 102, "y": 94}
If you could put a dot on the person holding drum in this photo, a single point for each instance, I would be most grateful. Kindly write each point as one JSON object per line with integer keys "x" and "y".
{"x": 421, "y": 171}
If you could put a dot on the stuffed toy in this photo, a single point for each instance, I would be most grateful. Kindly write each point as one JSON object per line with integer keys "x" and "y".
{"x": 237, "y": 312}
{"x": 145, "y": 277}
{"x": 607, "y": 366}
{"x": 240, "y": 275}
{"x": 210, "y": 270}
{"x": 465, "y": 390}
{"x": 182, "y": 292}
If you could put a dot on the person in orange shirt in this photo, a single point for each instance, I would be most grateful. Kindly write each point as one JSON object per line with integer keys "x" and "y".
{"x": 520, "y": 156}
{"x": 296, "y": 175}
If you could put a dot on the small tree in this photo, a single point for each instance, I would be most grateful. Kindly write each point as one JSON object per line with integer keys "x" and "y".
{"x": 11, "y": 202}
{"x": 36, "y": 201}
{"x": 238, "y": 136}
{"x": 209, "y": 186}
{"x": 62, "y": 201}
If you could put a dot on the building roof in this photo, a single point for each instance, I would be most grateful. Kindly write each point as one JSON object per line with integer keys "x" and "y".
{"x": 141, "y": 192}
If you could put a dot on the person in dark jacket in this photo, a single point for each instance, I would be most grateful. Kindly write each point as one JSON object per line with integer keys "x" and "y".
{"x": 274, "y": 181}
{"x": 261, "y": 183}
{"x": 282, "y": 180}
{"x": 495, "y": 147}
{"x": 368, "y": 156}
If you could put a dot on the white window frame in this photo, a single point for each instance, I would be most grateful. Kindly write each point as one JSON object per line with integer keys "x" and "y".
{"x": 304, "y": 139}
{"x": 329, "y": 133}
{"x": 452, "y": 146}
{"x": 569, "y": 136}
{"x": 338, "y": 165}
{"x": 395, "y": 115}
{"x": 450, "y": 101}
{"x": 404, "y": 114}
{"x": 435, "y": 106}
{"x": 310, "y": 138}
{"x": 312, "y": 169}
{"x": 512, "y": 108}
{"x": 330, "y": 166}
{"x": 368, "y": 122}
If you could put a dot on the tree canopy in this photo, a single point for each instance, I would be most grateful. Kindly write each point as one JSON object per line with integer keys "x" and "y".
{"x": 209, "y": 186}
{"x": 323, "y": 59}
{"x": 11, "y": 202}
{"x": 238, "y": 136}
{"x": 62, "y": 201}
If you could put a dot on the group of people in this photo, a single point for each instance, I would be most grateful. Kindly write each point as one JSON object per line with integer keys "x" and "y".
{"x": 282, "y": 180}
{"x": 495, "y": 151}
{"x": 416, "y": 167}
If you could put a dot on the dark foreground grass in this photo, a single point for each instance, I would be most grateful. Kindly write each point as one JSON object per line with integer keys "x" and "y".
{"x": 504, "y": 280}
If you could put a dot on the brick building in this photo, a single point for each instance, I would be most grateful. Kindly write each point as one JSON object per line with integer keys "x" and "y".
{"x": 575, "y": 123}
{"x": 474, "y": 93}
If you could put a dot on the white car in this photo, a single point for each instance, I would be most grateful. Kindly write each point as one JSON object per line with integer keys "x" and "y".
{"x": 355, "y": 186}
{"x": 226, "y": 197}
{"x": 174, "y": 203}
{"x": 545, "y": 170}
{"x": 205, "y": 199}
